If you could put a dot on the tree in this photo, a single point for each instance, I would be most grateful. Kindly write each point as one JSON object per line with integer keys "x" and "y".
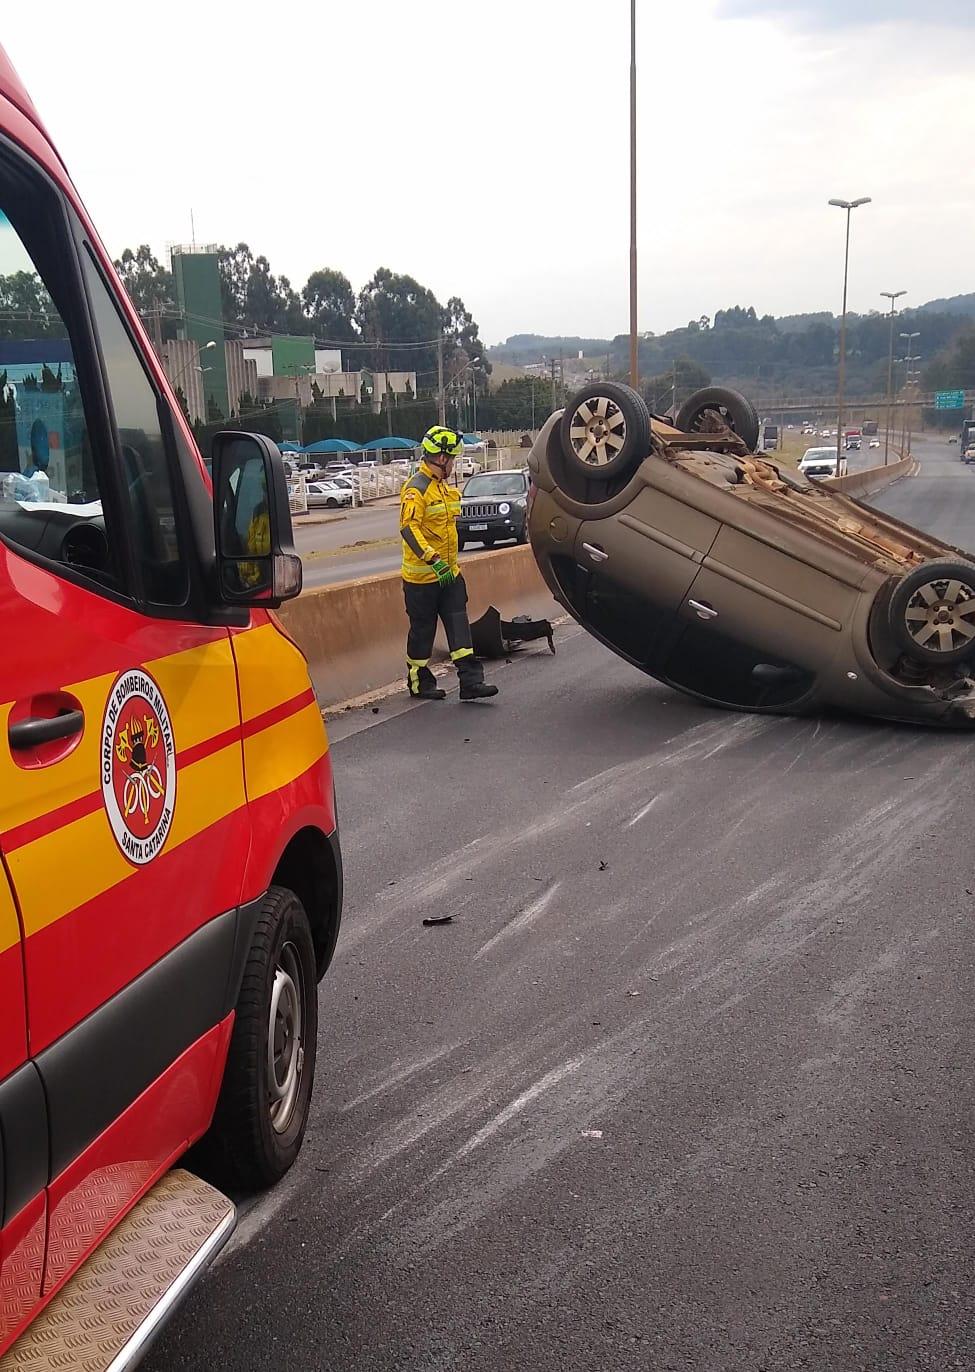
{"x": 460, "y": 332}
{"x": 149, "y": 285}
{"x": 396, "y": 310}
{"x": 27, "y": 309}
{"x": 329, "y": 306}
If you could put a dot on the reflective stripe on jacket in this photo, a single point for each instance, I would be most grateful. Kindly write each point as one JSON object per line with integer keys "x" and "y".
{"x": 428, "y": 525}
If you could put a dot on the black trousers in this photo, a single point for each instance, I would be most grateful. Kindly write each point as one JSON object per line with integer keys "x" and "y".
{"x": 425, "y": 604}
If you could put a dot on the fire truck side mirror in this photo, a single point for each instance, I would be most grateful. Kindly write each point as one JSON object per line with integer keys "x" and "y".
{"x": 256, "y": 559}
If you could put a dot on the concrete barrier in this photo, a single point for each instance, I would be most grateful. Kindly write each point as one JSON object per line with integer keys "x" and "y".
{"x": 872, "y": 479}
{"x": 354, "y": 632}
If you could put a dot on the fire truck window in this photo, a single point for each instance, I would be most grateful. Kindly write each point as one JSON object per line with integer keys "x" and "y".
{"x": 147, "y": 475}
{"x": 48, "y": 480}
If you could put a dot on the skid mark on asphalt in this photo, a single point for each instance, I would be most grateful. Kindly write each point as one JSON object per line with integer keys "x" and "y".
{"x": 515, "y": 1107}
{"x": 522, "y": 921}
{"x": 401, "y": 1072}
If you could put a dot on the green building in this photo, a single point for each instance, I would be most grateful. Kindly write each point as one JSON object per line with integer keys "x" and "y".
{"x": 196, "y": 272}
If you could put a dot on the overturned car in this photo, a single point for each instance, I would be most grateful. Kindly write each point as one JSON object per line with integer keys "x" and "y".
{"x": 738, "y": 580}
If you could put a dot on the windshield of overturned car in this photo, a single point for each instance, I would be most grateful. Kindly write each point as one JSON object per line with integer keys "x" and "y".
{"x": 495, "y": 483}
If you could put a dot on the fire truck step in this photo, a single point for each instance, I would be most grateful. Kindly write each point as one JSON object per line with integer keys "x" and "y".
{"x": 106, "y": 1316}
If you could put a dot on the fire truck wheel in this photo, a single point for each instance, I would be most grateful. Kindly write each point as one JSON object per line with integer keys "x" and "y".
{"x": 262, "y": 1111}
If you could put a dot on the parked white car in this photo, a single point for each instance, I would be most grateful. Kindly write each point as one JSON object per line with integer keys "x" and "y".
{"x": 327, "y": 494}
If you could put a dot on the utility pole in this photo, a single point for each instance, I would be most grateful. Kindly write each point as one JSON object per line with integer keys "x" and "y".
{"x": 157, "y": 341}
{"x": 634, "y": 349}
{"x": 673, "y": 394}
{"x": 848, "y": 206}
{"x": 554, "y": 401}
{"x": 440, "y": 390}
{"x": 532, "y": 383}
{"x": 891, "y": 296}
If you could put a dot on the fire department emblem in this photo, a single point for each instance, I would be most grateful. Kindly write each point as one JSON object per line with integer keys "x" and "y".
{"x": 138, "y": 766}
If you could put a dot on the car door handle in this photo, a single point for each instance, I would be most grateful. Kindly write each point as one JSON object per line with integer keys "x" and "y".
{"x": 30, "y": 733}
{"x": 702, "y": 609}
{"x": 595, "y": 552}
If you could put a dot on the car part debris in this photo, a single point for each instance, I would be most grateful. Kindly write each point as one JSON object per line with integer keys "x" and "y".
{"x": 493, "y": 636}
{"x": 438, "y": 919}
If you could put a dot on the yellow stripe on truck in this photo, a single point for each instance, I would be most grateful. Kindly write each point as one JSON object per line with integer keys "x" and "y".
{"x": 26, "y": 794}
{"x": 270, "y": 669}
{"x": 277, "y": 755}
{"x": 80, "y": 861}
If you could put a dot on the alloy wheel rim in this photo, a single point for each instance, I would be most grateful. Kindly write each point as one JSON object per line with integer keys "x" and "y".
{"x": 285, "y": 1048}
{"x": 597, "y": 431}
{"x": 940, "y": 615}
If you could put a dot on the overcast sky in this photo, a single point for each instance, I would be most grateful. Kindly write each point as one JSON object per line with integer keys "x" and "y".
{"x": 483, "y": 147}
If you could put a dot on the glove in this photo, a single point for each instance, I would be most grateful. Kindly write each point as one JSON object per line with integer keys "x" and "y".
{"x": 445, "y": 576}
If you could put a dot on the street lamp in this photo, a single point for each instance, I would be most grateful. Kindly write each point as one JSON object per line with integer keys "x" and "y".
{"x": 193, "y": 362}
{"x": 891, "y": 296}
{"x": 910, "y": 379}
{"x": 849, "y": 206}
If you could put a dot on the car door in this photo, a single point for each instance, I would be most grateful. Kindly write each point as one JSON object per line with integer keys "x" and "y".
{"x": 637, "y": 567}
{"x": 123, "y": 822}
{"x": 763, "y": 617}
{"x": 23, "y": 1137}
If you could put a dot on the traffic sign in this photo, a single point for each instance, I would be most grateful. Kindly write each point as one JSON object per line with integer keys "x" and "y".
{"x": 949, "y": 400}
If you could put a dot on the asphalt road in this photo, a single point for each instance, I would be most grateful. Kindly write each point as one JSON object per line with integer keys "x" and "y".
{"x": 940, "y": 499}
{"x": 686, "y": 1086}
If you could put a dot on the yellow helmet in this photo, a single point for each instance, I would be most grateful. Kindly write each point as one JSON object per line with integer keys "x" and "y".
{"x": 441, "y": 442}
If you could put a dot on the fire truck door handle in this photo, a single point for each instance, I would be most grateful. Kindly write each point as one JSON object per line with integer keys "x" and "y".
{"x": 28, "y": 733}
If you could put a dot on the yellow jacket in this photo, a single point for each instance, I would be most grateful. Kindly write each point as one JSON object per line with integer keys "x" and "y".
{"x": 428, "y": 511}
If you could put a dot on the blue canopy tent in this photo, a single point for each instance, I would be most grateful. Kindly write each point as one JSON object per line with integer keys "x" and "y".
{"x": 377, "y": 444}
{"x": 332, "y": 445}
{"x": 289, "y": 447}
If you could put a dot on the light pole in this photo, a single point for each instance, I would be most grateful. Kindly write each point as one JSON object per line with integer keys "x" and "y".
{"x": 849, "y": 206}
{"x": 909, "y": 378}
{"x": 634, "y": 350}
{"x": 193, "y": 362}
{"x": 891, "y": 296}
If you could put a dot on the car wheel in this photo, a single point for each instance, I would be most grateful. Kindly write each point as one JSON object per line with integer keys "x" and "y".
{"x": 522, "y": 535}
{"x": 605, "y": 430}
{"x": 262, "y": 1110}
{"x": 715, "y": 408}
{"x": 932, "y": 613}
{"x": 332, "y": 504}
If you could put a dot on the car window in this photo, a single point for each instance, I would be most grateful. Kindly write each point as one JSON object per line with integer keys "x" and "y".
{"x": 50, "y": 482}
{"x": 496, "y": 484}
{"x": 148, "y": 480}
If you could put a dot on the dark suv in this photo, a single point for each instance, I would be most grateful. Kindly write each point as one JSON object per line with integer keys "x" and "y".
{"x": 494, "y": 507}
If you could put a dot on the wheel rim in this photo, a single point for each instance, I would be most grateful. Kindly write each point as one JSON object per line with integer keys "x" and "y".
{"x": 285, "y": 1050}
{"x": 940, "y": 615}
{"x": 597, "y": 431}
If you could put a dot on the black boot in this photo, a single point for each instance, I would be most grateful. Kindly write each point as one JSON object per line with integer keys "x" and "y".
{"x": 472, "y": 683}
{"x": 477, "y": 690}
{"x": 426, "y": 688}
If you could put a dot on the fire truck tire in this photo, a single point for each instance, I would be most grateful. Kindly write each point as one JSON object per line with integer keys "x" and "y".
{"x": 262, "y": 1111}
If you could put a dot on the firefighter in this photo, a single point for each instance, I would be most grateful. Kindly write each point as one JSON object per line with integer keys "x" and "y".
{"x": 432, "y": 581}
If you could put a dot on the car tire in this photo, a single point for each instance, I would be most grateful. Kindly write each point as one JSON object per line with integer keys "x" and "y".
{"x": 331, "y": 504}
{"x": 605, "y": 431}
{"x": 930, "y": 606}
{"x": 262, "y": 1110}
{"x": 461, "y": 543}
{"x": 522, "y": 534}
{"x": 716, "y": 406}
